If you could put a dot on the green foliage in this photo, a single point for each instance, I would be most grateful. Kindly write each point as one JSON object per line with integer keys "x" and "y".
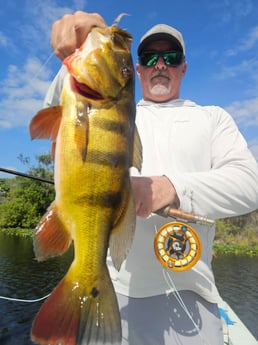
{"x": 26, "y": 200}
{"x": 241, "y": 230}
{"x": 235, "y": 249}
{"x": 4, "y": 189}
{"x": 18, "y": 232}
{"x": 237, "y": 235}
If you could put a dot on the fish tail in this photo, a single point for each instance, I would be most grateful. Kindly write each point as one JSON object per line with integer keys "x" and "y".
{"x": 74, "y": 315}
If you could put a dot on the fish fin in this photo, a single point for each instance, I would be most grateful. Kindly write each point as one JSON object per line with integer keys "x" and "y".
{"x": 45, "y": 124}
{"x": 53, "y": 149}
{"x": 137, "y": 151}
{"x": 82, "y": 131}
{"x": 122, "y": 235}
{"x": 75, "y": 314}
{"x": 51, "y": 237}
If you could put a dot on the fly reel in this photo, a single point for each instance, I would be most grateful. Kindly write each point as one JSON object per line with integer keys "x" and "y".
{"x": 177, "y": 246}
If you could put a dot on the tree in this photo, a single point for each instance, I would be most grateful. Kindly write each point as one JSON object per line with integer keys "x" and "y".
{"x": 26, "y": 200}
{"x": 4, "y": 189}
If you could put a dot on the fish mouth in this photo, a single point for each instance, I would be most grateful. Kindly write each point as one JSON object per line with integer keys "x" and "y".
{"x": 84, "y": 90}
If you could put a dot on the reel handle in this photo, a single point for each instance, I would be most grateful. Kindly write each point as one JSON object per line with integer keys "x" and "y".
{"x": 168, "y": 211}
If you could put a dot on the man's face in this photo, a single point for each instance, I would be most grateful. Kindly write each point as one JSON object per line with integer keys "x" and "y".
{"x": 160, "y": 83}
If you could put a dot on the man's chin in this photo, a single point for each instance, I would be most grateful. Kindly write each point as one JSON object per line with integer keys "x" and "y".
{"x": 159, "y": 90}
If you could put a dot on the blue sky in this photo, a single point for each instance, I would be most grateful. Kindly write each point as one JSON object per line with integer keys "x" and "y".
{"x": 221, "y": 49}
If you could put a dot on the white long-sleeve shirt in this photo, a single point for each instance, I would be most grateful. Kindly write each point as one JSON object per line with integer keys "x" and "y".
{"x": 202, "y": 152}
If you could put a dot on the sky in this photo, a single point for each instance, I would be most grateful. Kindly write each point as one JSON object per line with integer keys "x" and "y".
{"x": 221, "y": 40}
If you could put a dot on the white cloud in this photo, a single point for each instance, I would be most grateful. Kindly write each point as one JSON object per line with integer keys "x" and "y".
{"x": 6, "y": 44}
{"x": 247, "y": 63}
{"x": 246, "y": 43}
{"x": 247, "y": 66}
{"x": 227, "y": 11}
{"x": 22, "y": 93}
{"x": 241, "y": 64}
{"x": 37, "y": 28}
{"x": 24, "y": 87}
{"x": 245, "y": 112}
{"x": 3, "y": 39}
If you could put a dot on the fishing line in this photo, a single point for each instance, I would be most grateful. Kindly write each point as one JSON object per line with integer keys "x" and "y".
{"x": 168, "y": 279}
{"x": 53, "y": 54}
{"x": 179, "y": 299}
{"x": 44, "y": 64}
{"x": 49, "y": 58}
{"x": 24, "y": 300}
{"x": 116, "y": 22}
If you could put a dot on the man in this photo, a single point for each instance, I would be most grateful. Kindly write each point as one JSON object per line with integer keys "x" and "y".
{"x": 195, "y": 159}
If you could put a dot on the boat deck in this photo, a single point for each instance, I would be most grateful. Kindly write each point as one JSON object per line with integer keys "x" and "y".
{"x": 235, "y": 332}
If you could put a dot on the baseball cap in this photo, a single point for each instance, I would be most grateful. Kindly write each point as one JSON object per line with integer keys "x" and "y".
{"x": 162, "y": 32}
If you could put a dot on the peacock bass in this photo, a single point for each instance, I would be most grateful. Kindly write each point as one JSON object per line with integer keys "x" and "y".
{"x": 94, "y": 143}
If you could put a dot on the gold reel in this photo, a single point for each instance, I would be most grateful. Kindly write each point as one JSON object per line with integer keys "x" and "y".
{"x": 177, "y": 246}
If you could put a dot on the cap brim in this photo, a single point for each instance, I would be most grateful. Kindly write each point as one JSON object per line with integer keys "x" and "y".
{"x": 160, "y": 37}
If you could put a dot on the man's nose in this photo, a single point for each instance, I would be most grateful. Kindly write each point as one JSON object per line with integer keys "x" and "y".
{"x": 160, "y": 63}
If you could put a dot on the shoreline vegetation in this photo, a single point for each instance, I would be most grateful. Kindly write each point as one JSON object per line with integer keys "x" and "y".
{"x": 226, "y": 245}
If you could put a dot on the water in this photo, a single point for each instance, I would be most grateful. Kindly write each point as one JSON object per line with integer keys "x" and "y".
{"x": 237, "y": 280}
{"x": 24, "y": 278}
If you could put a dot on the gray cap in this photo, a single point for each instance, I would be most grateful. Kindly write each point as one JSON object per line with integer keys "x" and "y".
{"x": 162, "y": 32}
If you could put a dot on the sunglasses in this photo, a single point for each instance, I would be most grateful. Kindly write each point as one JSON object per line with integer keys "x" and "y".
{"x": 173, "y": 58}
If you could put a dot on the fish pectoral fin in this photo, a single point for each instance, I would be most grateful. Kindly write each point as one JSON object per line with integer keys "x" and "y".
{"x": 45, "y": 124}
{"x": 122, "y": 235}
{"x": 79, "y": 314}
{"x": 51, "y": 237}
{"x": 137, "y": 151}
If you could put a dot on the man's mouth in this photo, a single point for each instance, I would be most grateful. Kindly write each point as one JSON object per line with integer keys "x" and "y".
{"x": 159, "y": 77}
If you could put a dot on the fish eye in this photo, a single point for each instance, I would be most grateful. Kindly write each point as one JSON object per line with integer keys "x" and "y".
{"x": 126, "y": 72}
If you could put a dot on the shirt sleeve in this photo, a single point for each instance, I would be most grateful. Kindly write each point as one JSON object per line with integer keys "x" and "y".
{"x": 54, "y": 92}
{"x": 230, "y": 187}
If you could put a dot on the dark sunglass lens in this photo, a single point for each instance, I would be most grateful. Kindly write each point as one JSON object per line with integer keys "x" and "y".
{"x": 170, "y": 58}
{"x": 148, "y": 59}
{"x": 173, "y": 58}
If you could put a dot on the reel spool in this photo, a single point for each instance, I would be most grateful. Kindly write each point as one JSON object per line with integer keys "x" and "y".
{"x": 177, "y": 246}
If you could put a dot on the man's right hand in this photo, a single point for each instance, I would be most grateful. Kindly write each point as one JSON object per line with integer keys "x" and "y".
{"x": 69, "y": 32}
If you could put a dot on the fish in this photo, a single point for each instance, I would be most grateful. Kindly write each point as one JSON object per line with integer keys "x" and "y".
{"x": 95, "y": 142}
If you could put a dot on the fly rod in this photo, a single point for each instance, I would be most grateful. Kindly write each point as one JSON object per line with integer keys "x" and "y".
{"x": 13, "y": 172}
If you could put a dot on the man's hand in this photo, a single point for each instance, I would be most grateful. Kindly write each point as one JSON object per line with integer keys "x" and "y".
{"x": 69, "y": 32}
{"x": 152, "y": 193}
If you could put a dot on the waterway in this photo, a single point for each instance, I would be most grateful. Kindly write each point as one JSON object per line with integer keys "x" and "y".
{"x": 22, "y": 277}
